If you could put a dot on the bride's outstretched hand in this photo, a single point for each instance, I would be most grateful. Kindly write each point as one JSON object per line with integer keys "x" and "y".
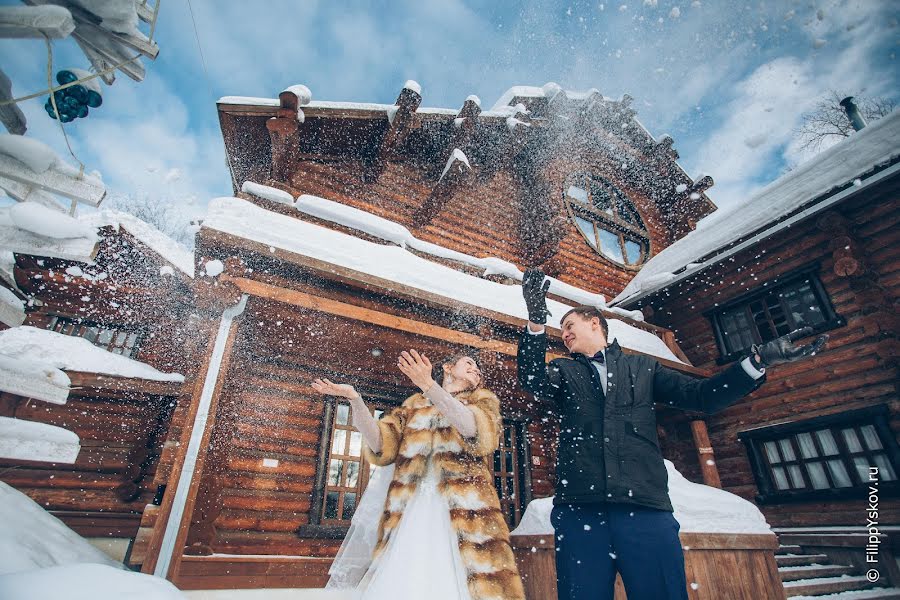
{"x": 329, "y": 388}
{"x": 417, "y": 367}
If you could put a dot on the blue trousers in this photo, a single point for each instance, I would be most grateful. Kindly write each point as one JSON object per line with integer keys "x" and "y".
{"x": 594, "y": 541}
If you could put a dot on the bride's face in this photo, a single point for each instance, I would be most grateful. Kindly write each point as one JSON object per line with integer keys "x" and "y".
{"x": 465, "y": 373}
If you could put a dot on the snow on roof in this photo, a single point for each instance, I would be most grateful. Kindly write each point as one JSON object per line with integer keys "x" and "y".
{"x": 33, "y": 378}
{"x": 31, "y": 538}
{"x": 244, "y": 219}
{"x": 54, "y": 21}
{"x": 38, "y": 157}
{"x": 7, "y": 264}
{"x": 23, "y": 242}
{"x": 74, "y": 354}
{"x": 249, "y": 101}
{"x": 267, "y": 192}
{"x": 835, "y": 167}
{"x": 390, "y": 231}
{"x": 698, "y": 509}
{"x": 12, "y": 308}
{"x": 170, "y": 250}
{"x": 30, "y": 440}
{"x": 456, "y": 155}
{"x": 42, "y": 221}
{"x": 548, "y": 90}
{"x": 119, "y": 16}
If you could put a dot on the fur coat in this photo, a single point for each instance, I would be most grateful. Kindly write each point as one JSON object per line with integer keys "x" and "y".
{"x": 416, "y": 431}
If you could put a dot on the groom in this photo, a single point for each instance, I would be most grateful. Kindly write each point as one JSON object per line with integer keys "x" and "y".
{"x": 612, "y": 511}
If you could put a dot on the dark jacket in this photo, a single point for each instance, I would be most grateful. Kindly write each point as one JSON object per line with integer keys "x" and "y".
{"x": 608, "y": 448}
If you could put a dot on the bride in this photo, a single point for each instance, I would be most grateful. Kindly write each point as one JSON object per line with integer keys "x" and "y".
{"x": 440, "y": 533}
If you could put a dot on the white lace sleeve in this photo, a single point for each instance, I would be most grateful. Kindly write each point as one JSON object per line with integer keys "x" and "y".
{"x": 458, "y": 414}
{"x": 366, "y": 424}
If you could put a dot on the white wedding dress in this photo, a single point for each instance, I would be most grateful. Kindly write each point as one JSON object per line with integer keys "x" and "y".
{"x": 421, "y": 560}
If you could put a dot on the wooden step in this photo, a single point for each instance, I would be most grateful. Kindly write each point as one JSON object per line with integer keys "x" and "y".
{"x": 826, "y": 585}
{"x": 870, "y": 594}
{"x": 795, "y": 560}
{"x": 812, "y": 571}
{"x": 789, "y": 549}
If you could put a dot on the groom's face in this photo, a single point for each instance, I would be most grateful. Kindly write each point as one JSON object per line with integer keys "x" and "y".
{"x": 582, "y": 335}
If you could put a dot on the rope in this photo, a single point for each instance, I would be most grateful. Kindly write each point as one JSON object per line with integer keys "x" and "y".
{"x": 53, "y": 102}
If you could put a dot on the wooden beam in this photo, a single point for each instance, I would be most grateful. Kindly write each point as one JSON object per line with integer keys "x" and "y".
{"x": 403, "y": 120}
{"x": 357, "y": 313}
{"x": 100, "y": 62}
{"x": 57, "y": 182}
{"x": 370, "y": 283}
{"x": 84, "y": 382}
{"x": 24, "y": 193}
{"x": 18, "y": 22}
{"x": 11, "y": 115}
{"x": 705, "y": 454}
{"x": 457, "y": 174}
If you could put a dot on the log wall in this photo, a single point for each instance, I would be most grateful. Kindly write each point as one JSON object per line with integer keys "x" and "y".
{"x": 857, "y": 369}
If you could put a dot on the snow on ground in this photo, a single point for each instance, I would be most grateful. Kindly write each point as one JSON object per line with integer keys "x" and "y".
{"x": 86, "y": 582}
{"x": 32, "y": 538}
{"x": 698, "y": 509}
{"x": 835, "y": 167}
{"x": 244, "y": 219}
{"x": 74, "y": 354}
{"x": 29, "y": 440}
{"x": 41, "y": 558}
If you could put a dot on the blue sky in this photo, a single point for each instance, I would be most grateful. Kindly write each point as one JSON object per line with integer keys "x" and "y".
{"x": 728, "y": 80}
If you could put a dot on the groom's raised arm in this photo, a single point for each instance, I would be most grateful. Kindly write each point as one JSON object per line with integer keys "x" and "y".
{"x": 534, "y": 373}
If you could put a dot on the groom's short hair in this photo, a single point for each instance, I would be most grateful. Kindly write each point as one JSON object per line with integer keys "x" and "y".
{"x": 587, "y": 313}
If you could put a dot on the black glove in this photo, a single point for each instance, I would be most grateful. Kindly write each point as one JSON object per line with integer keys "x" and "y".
{"x": 534, "y": 289}
{"x": 782, "y": 350}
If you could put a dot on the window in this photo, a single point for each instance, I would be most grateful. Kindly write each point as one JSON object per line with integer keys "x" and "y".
{"x": 830, "y": 456}
{"x": 608, "y": 221}
{"x": 347, "y": 472}
{"x": 795, "y": 302}
{"x": 117, "y": 341}
{"x": 511, "y": 476}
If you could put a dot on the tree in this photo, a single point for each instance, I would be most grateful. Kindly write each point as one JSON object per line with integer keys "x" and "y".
{"x": 159, "y": 211}
{"x": 829, "y": 120}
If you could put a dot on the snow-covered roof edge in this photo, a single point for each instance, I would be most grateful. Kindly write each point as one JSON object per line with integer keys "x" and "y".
{"x": 245, "y": 220}
{"x": 167, "y": 248}
{"x": 810, "y": 185}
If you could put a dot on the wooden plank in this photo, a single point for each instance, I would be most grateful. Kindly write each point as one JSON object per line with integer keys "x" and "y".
{"x": 53, "y": 181}
{"x": 304, "y": 300}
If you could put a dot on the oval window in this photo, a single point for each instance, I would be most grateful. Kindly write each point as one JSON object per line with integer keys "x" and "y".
{"x": 607, "y": 220}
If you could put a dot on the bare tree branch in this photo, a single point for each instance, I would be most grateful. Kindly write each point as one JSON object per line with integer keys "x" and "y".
{"x": 829, "y": 120}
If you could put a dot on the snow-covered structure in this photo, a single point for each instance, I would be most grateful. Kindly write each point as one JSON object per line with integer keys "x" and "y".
{"x": 358, "y": 230}
{"x": 817, "y": 248}
{"x": 95, "y": 309}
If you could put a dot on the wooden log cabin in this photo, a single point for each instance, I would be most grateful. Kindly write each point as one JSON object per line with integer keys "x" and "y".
{"x": 360, "y": 230}
{"x": 816, "y": 446}
{"x": 107, "y": 316}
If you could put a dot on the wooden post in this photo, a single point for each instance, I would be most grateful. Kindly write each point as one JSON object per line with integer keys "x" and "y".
{"x": 457, "y": 173}
{"x": 705, "y": 454}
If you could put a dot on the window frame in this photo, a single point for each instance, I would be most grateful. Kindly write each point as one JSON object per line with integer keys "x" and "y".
{"x": 71, "y": 323}
{"x": 522, "y": 475}
{"x": 614, "y": 223}
{"x": 832, "y": 320}
{"x": 878, "y": 416}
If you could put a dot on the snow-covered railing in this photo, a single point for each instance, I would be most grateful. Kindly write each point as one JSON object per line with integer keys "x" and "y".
{"x": 34, "y": 164}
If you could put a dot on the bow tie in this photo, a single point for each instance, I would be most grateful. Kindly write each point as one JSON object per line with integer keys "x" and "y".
{"x": 597, "y": 357}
